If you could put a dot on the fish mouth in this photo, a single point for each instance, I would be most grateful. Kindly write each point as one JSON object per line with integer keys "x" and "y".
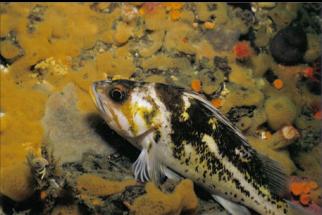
{"x": 95, "y": 94}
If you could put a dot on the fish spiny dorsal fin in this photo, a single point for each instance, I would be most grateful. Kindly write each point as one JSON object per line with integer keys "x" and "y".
{"x": 216, "y": 113}
{"x": 275, "y": 177}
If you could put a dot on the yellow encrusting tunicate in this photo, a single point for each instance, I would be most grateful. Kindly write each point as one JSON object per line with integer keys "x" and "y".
{"x": 155, "y": 202}
{"x": 93, "y": 185}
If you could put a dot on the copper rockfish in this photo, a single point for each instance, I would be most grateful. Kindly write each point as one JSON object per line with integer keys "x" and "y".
{"x": 181, "y": 134}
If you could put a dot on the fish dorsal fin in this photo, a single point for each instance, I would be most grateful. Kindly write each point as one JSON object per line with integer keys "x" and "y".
{"x": 216, "y": 112}
{"x": 277, "y": 180}
{"x": 148, "y": 167}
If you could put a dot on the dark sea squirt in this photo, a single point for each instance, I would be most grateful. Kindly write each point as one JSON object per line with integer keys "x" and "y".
{"x": 288, "y": 46}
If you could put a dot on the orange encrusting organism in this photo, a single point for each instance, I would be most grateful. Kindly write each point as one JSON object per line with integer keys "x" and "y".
{"x": 174, "y": 7}
{"x": 297, "y": 188}
{"x": 209, "y": 25}
{"x": 175, "y": 15}
{"x": 278, "y": 84}
{"x": 217, "y": 103}
{"x": 148, "y": 8}
{"x": 196, "y": 85}
{"x": 313, "y": 185}
{"x": 318, "y": 115}
{"x": 309, "y": 73}
{"x": 43, "y": 195}
{"x": 305, "y": 199}
{"x": 302, "y": 189}
{"x": 242, "y": 50}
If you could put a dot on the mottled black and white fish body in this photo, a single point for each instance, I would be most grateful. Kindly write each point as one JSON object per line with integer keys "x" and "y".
{"x": 213, "y": 153}
{"x": 179, "y": 131}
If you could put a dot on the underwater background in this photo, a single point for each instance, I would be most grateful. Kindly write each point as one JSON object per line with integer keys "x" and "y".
{"x": 258, "y": 63}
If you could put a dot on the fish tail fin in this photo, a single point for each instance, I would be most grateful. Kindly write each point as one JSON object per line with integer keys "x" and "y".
{"x": 297, "y": 209}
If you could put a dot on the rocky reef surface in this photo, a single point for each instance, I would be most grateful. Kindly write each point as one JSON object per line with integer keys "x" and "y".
{"x": 258, "y": 63}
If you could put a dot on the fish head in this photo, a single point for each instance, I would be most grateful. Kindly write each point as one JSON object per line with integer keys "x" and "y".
{"x": 127, "y": 107}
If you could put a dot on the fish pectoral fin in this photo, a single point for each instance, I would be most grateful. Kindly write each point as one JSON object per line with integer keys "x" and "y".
{"x": 232, "y": 207}
{"x": 147, "y": 167}
{"x": 140, "y": 167}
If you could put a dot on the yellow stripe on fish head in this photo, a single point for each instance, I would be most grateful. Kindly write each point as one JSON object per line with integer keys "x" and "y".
{"x": 142, "y": 112}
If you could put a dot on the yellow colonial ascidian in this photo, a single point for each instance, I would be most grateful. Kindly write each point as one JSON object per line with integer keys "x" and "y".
{"x": 94, "y": 185}
{"x": 155, "y": 202}
{"x": 3, "y": 122}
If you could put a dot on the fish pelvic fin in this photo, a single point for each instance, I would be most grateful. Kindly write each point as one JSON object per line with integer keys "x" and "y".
{"x": 232, "y": 207}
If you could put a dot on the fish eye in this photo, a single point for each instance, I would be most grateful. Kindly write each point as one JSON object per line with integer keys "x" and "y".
{"x": 117, "y": 94}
